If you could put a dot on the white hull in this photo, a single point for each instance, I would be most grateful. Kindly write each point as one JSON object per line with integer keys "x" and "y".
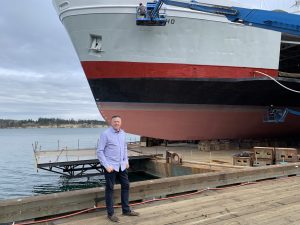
{"x": 194, "y": 38}
{"x": 192, "y": 46}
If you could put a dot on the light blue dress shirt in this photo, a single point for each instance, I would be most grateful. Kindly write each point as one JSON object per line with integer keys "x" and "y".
{"x": 112, "y": 149}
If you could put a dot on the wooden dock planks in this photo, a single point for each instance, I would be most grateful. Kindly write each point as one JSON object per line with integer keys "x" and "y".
{"x": 53, "y": 204}
{"x": 275, "y": 202}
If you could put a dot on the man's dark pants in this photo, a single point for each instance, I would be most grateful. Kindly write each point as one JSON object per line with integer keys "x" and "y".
{"x": 110, "y": 179}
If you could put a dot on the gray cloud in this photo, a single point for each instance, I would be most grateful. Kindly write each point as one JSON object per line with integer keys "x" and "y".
{"x": 64, "y": 95}
{"x": 33, "y": 37}
{"x": 40, "y": 74}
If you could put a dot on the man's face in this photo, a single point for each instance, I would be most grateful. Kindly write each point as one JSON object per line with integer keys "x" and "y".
{"x": 116, "y": 123}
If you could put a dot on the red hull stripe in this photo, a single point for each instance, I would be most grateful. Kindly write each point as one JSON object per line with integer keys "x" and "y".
{"x": 105, "y": 69}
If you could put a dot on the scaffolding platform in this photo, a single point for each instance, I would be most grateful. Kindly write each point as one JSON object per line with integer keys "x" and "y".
{"x": 77, "y": 162}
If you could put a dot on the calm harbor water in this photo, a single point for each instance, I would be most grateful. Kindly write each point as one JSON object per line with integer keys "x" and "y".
{"x": 18, "y": 173}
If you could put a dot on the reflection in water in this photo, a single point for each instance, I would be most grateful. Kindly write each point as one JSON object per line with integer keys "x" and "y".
{"x": 67, "y": 184}
{"x": 71, "y": 184}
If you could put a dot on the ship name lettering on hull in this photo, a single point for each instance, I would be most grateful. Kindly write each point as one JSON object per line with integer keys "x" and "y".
{"x": 170, "y": 21}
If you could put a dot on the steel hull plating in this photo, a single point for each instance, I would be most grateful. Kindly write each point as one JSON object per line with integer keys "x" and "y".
{"x": 197, "y": 109}
{"x": 243, "y": 92}
{"x": 193, "y": 79}
{"x": 198, "y": 122}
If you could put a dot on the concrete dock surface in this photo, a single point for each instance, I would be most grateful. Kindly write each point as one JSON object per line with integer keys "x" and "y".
{"x": 190, "y": 152}
{"x": 275, "y": 202}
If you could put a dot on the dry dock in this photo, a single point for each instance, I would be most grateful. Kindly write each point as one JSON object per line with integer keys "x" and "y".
{"x": 273, "y": 198}
{"x": 257, "y": 200}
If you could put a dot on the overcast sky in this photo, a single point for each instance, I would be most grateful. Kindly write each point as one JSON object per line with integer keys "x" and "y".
{"x": 40, "y": 74}
{"x": 286, "y": 5}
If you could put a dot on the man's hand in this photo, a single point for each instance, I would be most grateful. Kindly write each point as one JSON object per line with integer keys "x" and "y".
{"x": 127, "y": 165}
{"x": 109, "y": 169}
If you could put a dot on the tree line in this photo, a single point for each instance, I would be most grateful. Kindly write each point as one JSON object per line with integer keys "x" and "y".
{"x": 52, "y": 122}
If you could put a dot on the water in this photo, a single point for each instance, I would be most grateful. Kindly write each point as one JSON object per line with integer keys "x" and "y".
{"x": 18, "y": 173}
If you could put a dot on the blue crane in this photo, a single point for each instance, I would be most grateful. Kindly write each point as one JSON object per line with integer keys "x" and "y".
{"x": 278, "y": 115}
{"x": 271, "y": 20}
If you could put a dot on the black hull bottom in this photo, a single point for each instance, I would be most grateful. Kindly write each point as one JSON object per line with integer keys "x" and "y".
{"x": 252, "y": 92}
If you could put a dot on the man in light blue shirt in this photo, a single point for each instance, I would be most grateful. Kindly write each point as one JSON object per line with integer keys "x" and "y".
{"x": 113, "y": 156}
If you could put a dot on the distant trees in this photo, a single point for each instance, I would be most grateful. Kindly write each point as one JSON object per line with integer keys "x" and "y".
{"x": 51, "y": 122}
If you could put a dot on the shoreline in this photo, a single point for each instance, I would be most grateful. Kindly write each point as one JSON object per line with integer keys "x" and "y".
{"x": 59, "y": 126}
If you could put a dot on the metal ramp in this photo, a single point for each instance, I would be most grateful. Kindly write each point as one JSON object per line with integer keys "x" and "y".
{"x": 74, "y": 163}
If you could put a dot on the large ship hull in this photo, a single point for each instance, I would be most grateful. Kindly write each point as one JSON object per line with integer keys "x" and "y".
{"x": 194, "y": 79}
{"x": 198, "y": 122}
